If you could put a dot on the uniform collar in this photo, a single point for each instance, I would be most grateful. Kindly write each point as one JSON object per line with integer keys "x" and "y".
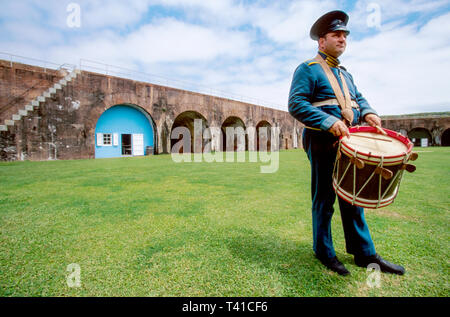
{"x": 331, "y": 61}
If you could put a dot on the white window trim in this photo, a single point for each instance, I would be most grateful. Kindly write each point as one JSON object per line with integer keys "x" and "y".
{"x": 111, "y": 140}
{"x": 99, "y": 139}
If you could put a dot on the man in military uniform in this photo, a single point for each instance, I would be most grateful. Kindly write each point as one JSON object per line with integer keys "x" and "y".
{"x": 313, "y": 100}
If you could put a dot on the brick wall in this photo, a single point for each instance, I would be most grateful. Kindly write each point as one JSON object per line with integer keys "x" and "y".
{"x": 63, "y": 127}
{"x": 21, "y": 83}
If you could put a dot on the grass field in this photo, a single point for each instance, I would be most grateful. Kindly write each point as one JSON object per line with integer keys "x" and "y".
{"x": 151, "y": 227}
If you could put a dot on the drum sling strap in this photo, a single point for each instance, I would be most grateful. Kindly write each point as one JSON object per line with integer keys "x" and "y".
{"x": 344, "y": 100}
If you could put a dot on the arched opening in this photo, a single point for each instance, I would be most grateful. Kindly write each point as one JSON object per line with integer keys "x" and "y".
{"x": 196, "y": 124}
{"x": 445, "y": 139}
{"x": 124, "y": 130}
{"x": 263, "y": 136}
{"x": 233, "y": 141}
{"x": 420, "y": 137}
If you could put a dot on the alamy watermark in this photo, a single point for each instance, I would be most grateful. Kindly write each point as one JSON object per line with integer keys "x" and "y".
{"x": 74, "y": 18}
{"x": 73, "y": 279}
{"x": 374, "y": 18}
{"x": 374, "y": 278}
{"x": 211, "y": 144}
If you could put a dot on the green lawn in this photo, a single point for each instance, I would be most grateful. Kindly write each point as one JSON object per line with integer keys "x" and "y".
{"x": 151, "y": 227}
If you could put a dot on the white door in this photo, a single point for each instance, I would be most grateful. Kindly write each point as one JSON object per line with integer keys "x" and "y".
{"x": 138, "y": 144}
{"x": 424, "y": 142}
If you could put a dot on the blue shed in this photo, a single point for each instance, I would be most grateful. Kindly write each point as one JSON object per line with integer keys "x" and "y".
{"x": 123, "y": 130}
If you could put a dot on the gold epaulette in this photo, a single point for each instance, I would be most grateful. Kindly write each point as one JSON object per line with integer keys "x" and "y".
{"x": 313, "y": 62}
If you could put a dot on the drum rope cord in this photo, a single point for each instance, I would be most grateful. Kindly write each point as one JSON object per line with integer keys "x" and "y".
{"x": 381, "y": 195}
{"x": 338, "y": 156}
{"x": 367, "y": 182}
{"x": 379, "y": 181}
{"x": 398, "y": 175}
{"x": 343, "y": 174}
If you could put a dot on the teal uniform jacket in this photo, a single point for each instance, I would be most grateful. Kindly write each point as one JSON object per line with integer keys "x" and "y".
{"x": 310, "y": 84}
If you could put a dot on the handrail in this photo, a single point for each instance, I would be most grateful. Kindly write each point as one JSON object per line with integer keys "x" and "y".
{"x": 12, "y": 58}
{"x": 108, "y": 69}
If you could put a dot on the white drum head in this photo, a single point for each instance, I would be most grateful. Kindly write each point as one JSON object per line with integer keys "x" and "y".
{"x": 375, "y": 143}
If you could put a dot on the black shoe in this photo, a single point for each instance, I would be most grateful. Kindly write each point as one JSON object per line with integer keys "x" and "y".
{"x": 385, "y": 266}
{"x": 335, "y": 265}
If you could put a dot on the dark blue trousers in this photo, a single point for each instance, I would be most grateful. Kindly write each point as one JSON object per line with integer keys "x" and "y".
{"x": 321, "y": 148}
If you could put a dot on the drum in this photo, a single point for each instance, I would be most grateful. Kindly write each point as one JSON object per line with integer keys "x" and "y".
{"x": 369, "y": 166}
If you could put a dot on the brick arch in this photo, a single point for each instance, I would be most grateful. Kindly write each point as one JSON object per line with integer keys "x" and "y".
{"x": 101, "y": 110}
{"x": 263, "y": 141}
{"x": 242, "y": 115}
{"x": 186, "y": 110}
{"x": 147, "y": 115}
{"x": 263, "y": 122}
{"x": 187, "y": 119}
{"x": 418, "y": 133}
{"x": 445, "y": 137}
{"x": 180, "y": 108}
{"x": 232, "y": 121}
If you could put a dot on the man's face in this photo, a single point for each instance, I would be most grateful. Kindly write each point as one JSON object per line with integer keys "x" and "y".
{"x": 334, "y": 43}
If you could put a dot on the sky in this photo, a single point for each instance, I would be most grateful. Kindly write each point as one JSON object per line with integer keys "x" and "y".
{"x": 398, "y": 51}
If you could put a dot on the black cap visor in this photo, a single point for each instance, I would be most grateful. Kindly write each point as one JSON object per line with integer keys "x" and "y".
{"x": 339, "y": 28}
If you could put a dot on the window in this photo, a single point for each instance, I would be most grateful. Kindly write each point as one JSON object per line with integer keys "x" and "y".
{"x": 107, "y": 139}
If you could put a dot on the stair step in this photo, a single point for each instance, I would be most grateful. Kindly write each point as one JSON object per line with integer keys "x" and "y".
{"x": 23, "y": 113}
{"x": 16, "y": 117}
{"x": 35, "y": 103}
{"x": 9, "y": 122}
{"x": 3, "y": 128}
{"x": 40, "y": 99}
{"x": 57, "y": 86}
{"x": 46, "y": 94}
{"x": 63, "y": 82}
{"x": 29, "y": 107}
{"x": 52, "y": 90}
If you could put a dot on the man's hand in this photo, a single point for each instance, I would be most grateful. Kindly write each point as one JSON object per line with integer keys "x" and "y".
{"x": 372, "y": 119}
{"x": 339, "y": 128}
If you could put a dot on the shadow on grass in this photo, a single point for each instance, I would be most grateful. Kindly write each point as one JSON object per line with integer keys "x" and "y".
{"x": 290, "y": 263}
{"x": 302, "y": 274}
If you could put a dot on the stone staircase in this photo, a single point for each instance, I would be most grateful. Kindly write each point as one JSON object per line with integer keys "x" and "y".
{"x": 34, "y": 104}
